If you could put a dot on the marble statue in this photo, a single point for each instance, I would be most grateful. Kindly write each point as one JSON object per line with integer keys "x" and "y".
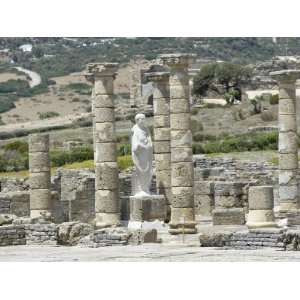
{"x": 142, "y": 156}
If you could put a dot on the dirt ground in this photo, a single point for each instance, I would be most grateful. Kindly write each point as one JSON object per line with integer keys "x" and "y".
{"x": 143, "y": 253}
{"x": 9, "y": 76}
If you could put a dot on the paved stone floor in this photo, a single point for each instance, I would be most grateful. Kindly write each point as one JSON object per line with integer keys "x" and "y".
{"x": 146, "y": 252}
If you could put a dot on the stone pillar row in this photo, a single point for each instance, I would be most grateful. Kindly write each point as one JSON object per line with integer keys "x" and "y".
{"x": 107, "y": 203}
{"x": 162, "y": 154}
{"x": 288, "y": 141}
{"x": 40, "y": 175}
{"x": 182, "y": 169}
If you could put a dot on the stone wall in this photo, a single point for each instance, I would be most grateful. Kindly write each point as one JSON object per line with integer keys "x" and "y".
{"x": 245, "y": 239}
{"x": 12, "y": 235}
{"x": 38, "y": 231}
{"x": 16, "y": 203}
{"x": 245, "y": 172}
{"x": 77, "y": 194}
{"x": 13, "y": 184}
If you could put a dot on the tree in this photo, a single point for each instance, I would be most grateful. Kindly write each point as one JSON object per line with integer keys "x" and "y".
{"x": 229, "y": 76}
{"x": 38, "y": 52}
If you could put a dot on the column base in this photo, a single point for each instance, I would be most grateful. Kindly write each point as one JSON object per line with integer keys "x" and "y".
{"x": 261, "y": 219}
{"x": 182, "y": 221}
{"x": 104, "y": 220}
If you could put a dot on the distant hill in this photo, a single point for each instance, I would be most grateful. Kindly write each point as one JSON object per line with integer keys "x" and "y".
{"x": 61, "y": 56}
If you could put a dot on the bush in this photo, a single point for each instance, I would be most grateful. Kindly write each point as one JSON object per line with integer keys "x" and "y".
{"x": 48, "y": 115}
{"x": 60, "y": 158}
{"x": 124, "y": 149}
{"x": 199, "y": 137}
{"x": 194, "y": 111}
{"x": 274, "y": 99}
{"x": 125, "y": 162}
{"x": 19, "y": 146}
{"x": 14, "y": 86}
{"x": 240, "y": 143}
{"x": 79, "y": 88}
{"x": 196, "y": 126}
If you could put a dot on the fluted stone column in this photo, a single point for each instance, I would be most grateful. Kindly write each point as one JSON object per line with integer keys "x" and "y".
{"x": 107, "y": 203}
{"x": 182, "y": 169}
{"x": 261, "y": 203}
{"x": 40, "y": 175}
{"x": 287, "y": 144}
{"x": 162, "y": 154}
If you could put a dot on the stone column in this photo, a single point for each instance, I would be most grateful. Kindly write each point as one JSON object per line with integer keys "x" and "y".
{"x": 288, "y": 141}
{"x": 261, "y": 203}
{"x": 107, "y": 204}
{"x": 91, "y": 78}
{"x": 182, "y": 168}
{"x": 162, "y": 154}
{"x": 40, "y": 175}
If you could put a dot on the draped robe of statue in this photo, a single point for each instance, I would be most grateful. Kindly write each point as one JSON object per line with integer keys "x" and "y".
{"x": 142, "y": 156}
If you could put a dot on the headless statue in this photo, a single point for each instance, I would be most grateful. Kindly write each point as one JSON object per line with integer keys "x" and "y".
{"x": 142, "y": 156}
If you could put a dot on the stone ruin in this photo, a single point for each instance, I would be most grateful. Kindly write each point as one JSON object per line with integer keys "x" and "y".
{"x": 219, "y": 202}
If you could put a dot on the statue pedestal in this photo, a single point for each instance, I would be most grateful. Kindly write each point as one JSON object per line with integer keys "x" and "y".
{"x": 147, "y": 208}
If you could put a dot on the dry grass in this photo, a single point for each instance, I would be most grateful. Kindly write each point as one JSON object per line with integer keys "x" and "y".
{"x": 124, "y": 163}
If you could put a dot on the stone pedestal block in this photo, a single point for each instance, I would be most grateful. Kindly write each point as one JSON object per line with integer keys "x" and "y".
{"x": 148, "y": 208}
{"x": 230, "y": 216}
{"x": 261, "y": 202}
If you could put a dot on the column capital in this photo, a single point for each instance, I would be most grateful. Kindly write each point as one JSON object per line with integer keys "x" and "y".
{"x": 286, "y": 76}
{"x": 98, "y": 70}
{"x": 158, "y": 76}
{"x": 177, "y": 60}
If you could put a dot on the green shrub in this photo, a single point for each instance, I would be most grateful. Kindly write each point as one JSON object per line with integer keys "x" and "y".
{"x": 124, "y": 149}
{"x": 274, "y": 99}
{"x": 19, "y": 146}
{"x": 48, "y": 115}
{"x": 7, "y": 102}
{"x": 13, "y": 86}
{"x": 194, "y": 111}
{"x": 79, "y": 88}
{"x": 125, "y": 162}
{"x": 240, "y": 143}
{"x": 200, "y": 137}
{"x": 197, "y": 149}
{"x": 196, "y": 126}
{"x": 60, "y": 158}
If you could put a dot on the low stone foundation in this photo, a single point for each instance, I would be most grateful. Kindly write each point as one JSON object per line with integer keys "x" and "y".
{"x": 38, "y": 231}
{"x": 247, "y": 239}
{"x": 12, "y": 235}
{"x": 118, "y": 237}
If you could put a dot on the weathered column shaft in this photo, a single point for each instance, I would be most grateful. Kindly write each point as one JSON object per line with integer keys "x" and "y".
{"x": 182, "y": 169}
{"x": 162, "y": 154}
{"x": 40, "y": 175}
{"x": 288, "y": 141}
{"x": 107, "y": 204}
